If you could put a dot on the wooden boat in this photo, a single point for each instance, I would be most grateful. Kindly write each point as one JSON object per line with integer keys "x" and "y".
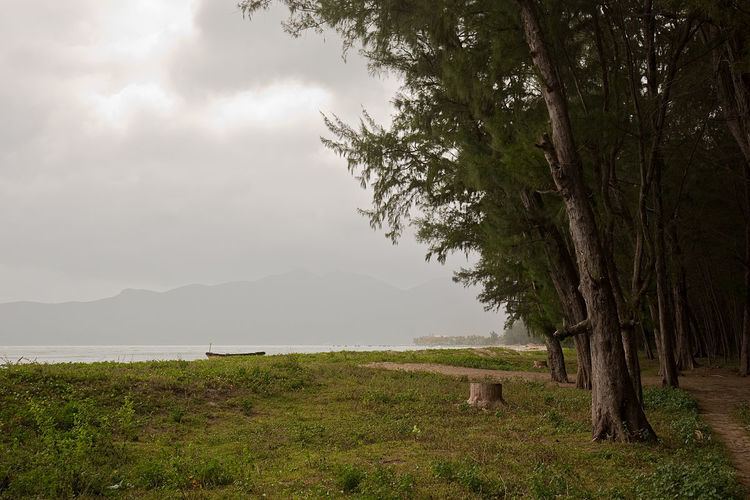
{"x": 226, "y": 354}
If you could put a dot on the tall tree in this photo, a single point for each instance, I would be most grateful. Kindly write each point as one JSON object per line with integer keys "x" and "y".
{"x": 616, "y": 411}
{"x": 578, "y": 149}
{"x": 730, "y": 41}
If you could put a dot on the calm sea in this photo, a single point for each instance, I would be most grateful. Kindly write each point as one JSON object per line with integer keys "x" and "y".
{"x": 128, "y": 353}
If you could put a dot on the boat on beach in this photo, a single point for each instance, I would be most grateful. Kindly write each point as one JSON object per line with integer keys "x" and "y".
{"x": 226, "y": 354}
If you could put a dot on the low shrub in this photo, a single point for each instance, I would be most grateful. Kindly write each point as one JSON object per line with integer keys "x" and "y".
{"x": 213, "y": 473}
{"x": 349, "y": 478}
{"x": 246, "y": 406}
{"x": 668, "y": 399}
{"x": 177, "y": 414}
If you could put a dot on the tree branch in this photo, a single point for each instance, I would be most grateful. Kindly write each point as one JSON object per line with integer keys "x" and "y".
{"x": 570, "y": 331}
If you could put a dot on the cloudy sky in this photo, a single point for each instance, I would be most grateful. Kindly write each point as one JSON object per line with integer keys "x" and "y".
{"x": 150, "y": 144}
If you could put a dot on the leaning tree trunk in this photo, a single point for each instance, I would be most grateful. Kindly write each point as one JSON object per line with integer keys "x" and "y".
{"x": 615, "y": 410}
{"x": 555, "y": 359}
{"x": 565, "y": 279}
{"x": 654, "y": 312}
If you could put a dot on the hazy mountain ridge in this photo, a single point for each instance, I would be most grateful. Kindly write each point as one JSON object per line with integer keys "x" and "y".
{"x": 293, "y": 308}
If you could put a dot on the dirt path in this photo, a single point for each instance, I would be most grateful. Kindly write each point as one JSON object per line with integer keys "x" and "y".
{"x": 460, "y": 371}
{"x": 717, "y": 391}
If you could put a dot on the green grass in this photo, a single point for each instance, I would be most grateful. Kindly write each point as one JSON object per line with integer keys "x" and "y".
{"x": 323, "y": 425}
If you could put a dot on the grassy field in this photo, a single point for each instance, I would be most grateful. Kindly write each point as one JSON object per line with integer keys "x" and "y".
{"x": 323, "y": 425}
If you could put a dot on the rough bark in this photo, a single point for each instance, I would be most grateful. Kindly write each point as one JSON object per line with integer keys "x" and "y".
{"x": 555, "y": 359}
{"x": 485, "y": 395}
{"x": 615, "y": 410}
{"x": 627, "y": 331}
{"x": 565, "y": 280}
{"x": 583, "y": 355}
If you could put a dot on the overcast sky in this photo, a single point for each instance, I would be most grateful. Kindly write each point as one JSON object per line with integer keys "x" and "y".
{"x": 151, "y": 144}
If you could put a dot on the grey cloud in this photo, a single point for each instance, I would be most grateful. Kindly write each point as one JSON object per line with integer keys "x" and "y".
{"x": 160, "y": 200}
{"x": 230, "y": 53}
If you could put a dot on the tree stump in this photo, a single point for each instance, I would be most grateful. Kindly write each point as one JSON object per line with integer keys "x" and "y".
{"x": 486, "y": 394}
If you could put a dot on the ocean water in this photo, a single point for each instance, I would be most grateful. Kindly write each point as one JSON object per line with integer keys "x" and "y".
{"x": 130, "y": 353}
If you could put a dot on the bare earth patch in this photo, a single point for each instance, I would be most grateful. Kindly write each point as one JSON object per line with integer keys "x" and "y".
{"x": 471, "y": 373}
{"x": 718, "y": 391}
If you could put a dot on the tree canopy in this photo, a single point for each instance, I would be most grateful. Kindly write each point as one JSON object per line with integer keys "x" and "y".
{"x": 594, "y": 154}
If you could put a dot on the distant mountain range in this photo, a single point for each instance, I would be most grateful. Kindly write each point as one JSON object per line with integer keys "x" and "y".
{"x": 293, "y": 308}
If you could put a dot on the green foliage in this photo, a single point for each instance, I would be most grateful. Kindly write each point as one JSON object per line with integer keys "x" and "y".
{"x": 246, "y": 405}
{"x": 518, "y": 333}
{"x": 126, "y": 420}
{"x": 213, "y": 473}
{"x": 153, "y": 474}
{"x": 687, "y": 424}
{"x": 473, "y": 340}
{"x": 176, "y": 415}
{"x": 691, "y": 429}
{"x": 350, "y": 478}
{"x": 558, "y": 421}
{"x": 668, "y": 398}
{"x": 643, "y": 101}
{"x": 322, "y": 424}
{"x": 75, "y": 455}
{"x": 704, "y": 477}
{"x": 548, "y": 482}
{"x": 380, "y": 483}
{"x": 180, "y": 471}
{"x": 463, "y": 473}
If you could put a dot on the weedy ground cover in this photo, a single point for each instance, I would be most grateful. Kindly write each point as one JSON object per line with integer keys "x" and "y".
{"x": 323, "y": 425}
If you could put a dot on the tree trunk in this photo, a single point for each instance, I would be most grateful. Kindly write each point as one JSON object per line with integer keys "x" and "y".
{"x": 555, "y": 359}
{"x": 745, "y": 347}
{"x": 733, "y": 85}
{"x": 615, "y": 411}
{"x": 684, "y": 352}
{"x": 627, "y": 330}
{"x": 565, "y": 280}
{"x": 745, "y": 342}
{"x": 646, "y": 343}
{"x": 685, "y": 359}
{"x": 485, "y": 395}
{"x": 667, "y": 364}
{"x": 660, "y": 94}
{"x": 583, "y": 358}
{"x": 654, "y": 312}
